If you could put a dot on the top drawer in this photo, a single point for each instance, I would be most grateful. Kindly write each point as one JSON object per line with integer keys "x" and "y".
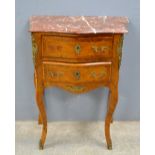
{"x": 77, "y": 48}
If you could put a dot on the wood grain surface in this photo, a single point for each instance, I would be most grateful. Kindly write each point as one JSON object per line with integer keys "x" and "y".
{"x": 78, "y": 64}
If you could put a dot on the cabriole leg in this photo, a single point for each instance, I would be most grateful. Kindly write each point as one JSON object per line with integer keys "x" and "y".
{"x": 112, "y": 102}
{"x": 39, "y": 119}
{"x": 41, "y": 106}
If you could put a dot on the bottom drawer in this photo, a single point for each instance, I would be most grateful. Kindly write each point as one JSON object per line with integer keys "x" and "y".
{"x": 56, "y": 72}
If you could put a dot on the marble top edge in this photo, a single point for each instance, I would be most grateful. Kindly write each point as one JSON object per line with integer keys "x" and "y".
{"x": 79, "y": 24}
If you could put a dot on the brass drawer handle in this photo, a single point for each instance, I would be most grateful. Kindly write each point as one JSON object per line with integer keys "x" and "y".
{"x": 97, "y": 49}
{"x": 53, "y": 74}
{"x": 77, "y": 49}
{"x": 77, "y": 75}
{"x": 98, "y": 75}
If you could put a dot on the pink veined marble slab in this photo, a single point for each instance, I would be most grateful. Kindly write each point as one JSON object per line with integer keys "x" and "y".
{"x": 79, "y": 24}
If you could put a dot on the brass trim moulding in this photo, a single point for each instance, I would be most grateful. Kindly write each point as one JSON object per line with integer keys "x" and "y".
{"x": 34, "y": 49}
{"x": 75, "y": 88}
{"x": 119, "y": 51}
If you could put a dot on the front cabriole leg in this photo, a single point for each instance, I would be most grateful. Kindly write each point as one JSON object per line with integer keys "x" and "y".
{"x": 40, "y": 103}
{"x": 41, "y": 107}
{"x": 113, "y": 86}
{"x": 112, "y": 101}
{"x": 38, "y": 80}
{"x": 35, "y": 84}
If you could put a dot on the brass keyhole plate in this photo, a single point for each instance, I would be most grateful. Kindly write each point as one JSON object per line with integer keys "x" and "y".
{"x": 77, "y": 49}
{"x": 77, "y": 75}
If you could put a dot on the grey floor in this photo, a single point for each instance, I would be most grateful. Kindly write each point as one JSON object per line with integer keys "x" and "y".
{"x": 77, "y": 138}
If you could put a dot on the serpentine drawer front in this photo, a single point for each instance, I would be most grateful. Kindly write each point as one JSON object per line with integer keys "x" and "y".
{"x": 78, "y": 54}
{"x": 80, "y": 48}
{"x": 76, "y": 73}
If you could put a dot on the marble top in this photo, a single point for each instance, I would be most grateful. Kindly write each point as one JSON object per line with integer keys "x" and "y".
{"x": 78, "y": 24}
